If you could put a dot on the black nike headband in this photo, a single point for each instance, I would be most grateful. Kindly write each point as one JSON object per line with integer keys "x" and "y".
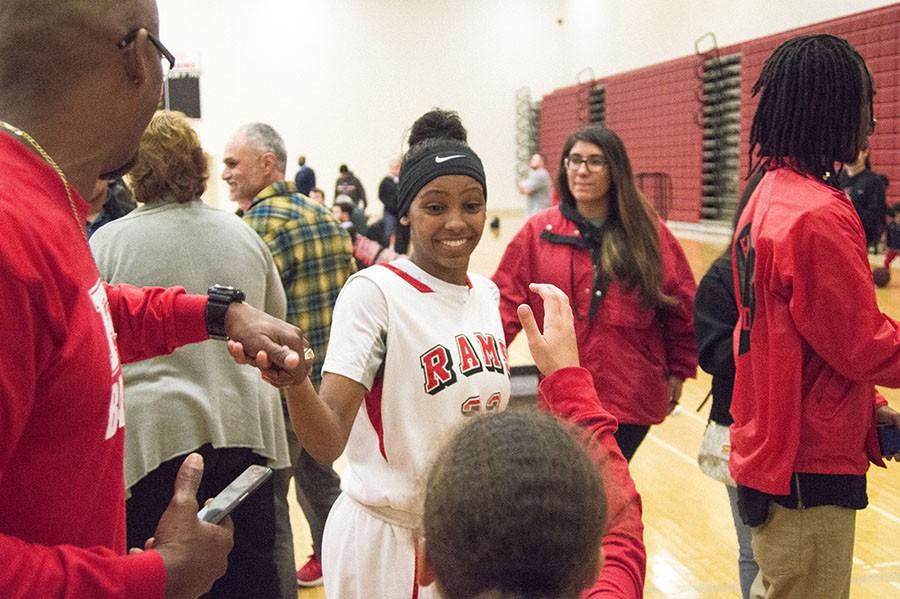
{"x": 453, "y": 160}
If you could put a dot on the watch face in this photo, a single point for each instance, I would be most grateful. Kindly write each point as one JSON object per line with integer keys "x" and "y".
{"x": 225, "y": 293}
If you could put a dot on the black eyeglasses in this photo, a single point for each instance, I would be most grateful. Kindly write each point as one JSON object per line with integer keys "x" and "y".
{"x": 593, "y": 163}
{"x": 131, "y": 35}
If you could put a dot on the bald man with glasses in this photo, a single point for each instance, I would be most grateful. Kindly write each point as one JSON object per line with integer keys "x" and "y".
{"x": 66, "y": 333}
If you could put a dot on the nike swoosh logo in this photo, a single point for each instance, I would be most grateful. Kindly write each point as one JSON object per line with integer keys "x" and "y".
{"x": 440, "y": 159}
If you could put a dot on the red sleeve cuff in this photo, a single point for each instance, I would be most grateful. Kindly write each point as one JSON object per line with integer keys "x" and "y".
{"x": 190, "y": 319}
{"x": 145, "y": 576}
{"x": 880, "y": 401}
{"x": 554, "y": 386}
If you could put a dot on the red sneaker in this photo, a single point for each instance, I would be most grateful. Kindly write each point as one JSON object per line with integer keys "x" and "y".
{"x": 310, "y": 575}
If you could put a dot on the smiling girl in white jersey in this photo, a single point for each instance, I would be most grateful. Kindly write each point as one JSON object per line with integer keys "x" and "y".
{"x": 416, "y": 346}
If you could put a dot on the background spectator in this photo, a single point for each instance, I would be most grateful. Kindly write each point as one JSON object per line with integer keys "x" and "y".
{"x": 196, "y": 399}
{"x": 305, "y": 179}
{"x": 347, "y": 184}
{"x": 314, "y": 257}
{"x": 111, "y": 200}
{"x": 388, "y": 190}
{"x": 865, "y": 188}
{"x": 536, "y": 188}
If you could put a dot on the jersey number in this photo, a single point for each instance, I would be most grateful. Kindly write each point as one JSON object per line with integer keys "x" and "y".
{"x": 473, "y": 405}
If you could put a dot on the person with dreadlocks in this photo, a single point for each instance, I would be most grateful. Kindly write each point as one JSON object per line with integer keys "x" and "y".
{"x": 628, "y": 280}
{"x": 811, "y": 342}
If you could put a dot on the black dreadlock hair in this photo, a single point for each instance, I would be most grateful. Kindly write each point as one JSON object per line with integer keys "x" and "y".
{"x": 813, "y": 90}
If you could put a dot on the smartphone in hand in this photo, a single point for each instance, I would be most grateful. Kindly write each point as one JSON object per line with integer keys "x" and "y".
{"x": 232, "y": 495}
{"x": 889, "y": 439}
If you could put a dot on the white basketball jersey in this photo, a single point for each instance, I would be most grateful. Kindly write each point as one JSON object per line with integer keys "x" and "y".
{"x": 445, "y": 359}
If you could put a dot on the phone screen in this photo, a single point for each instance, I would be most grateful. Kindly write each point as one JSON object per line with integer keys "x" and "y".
{"x": 232, "y": 495}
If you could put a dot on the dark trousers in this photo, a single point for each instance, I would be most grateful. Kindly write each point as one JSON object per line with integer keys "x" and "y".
{"x": 629, "y": 438}
{"x": 873, "y": 236}
{"x": 317, "y": 487}
{"x": 251, "y": 563}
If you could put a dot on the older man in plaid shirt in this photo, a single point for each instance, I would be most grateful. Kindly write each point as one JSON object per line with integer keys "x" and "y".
{"x": 314, "y": 256}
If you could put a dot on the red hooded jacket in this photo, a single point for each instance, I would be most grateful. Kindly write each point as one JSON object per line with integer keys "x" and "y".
{"x": 630, "y": 351}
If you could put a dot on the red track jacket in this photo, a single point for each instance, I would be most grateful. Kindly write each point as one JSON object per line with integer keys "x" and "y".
{"x": 811, "y": 343}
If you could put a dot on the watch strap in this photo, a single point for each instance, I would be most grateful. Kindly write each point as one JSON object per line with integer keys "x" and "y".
{"x": 220, "y": 297}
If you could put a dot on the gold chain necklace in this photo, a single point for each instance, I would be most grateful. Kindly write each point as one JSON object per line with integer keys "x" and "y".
{"x": 62, "y": 177}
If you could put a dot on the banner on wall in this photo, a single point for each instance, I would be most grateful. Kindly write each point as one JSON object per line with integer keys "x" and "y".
{"x": 182, "y": 86}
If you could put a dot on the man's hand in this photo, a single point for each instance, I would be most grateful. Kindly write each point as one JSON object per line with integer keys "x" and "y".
{"x": 557, "y": 347}
{"x": 888, "y": 415}
{"x": 270, "y": 344}
{"x": 675, "y": 386}
{"x": 195, "y": 553}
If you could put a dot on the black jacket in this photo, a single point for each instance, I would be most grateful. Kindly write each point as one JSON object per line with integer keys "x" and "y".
{"x": 866, "y": 191}
{"x": 715, "y": 315}
{"x": 388, "y": 191}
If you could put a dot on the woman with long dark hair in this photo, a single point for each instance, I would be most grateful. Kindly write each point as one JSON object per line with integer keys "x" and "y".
{"x": 626, "y": 276}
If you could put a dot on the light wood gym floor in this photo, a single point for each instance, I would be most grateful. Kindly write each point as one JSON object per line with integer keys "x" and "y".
{"x": 688, "y": 529}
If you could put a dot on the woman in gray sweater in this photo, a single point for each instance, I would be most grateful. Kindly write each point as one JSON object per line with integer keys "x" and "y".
{"x": 196, "y": 399}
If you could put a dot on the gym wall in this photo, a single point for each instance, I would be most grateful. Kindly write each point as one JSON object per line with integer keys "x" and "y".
{"x": 655, "y": 109}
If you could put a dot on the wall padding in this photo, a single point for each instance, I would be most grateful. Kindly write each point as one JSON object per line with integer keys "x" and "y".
{"x": 654, "y": 109}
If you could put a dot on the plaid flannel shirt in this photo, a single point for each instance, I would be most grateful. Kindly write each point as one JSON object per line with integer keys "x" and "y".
{"x": 312, "y": 253}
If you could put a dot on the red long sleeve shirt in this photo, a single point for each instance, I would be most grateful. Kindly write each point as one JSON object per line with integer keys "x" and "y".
{"x": 569, "y": 394}
{"x": 65, "y": 335}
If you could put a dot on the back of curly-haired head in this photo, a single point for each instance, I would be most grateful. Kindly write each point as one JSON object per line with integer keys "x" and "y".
{"x": 813, "y": 90}
{"x": 514, "y": 507}
{"x": 171, "y": 165}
